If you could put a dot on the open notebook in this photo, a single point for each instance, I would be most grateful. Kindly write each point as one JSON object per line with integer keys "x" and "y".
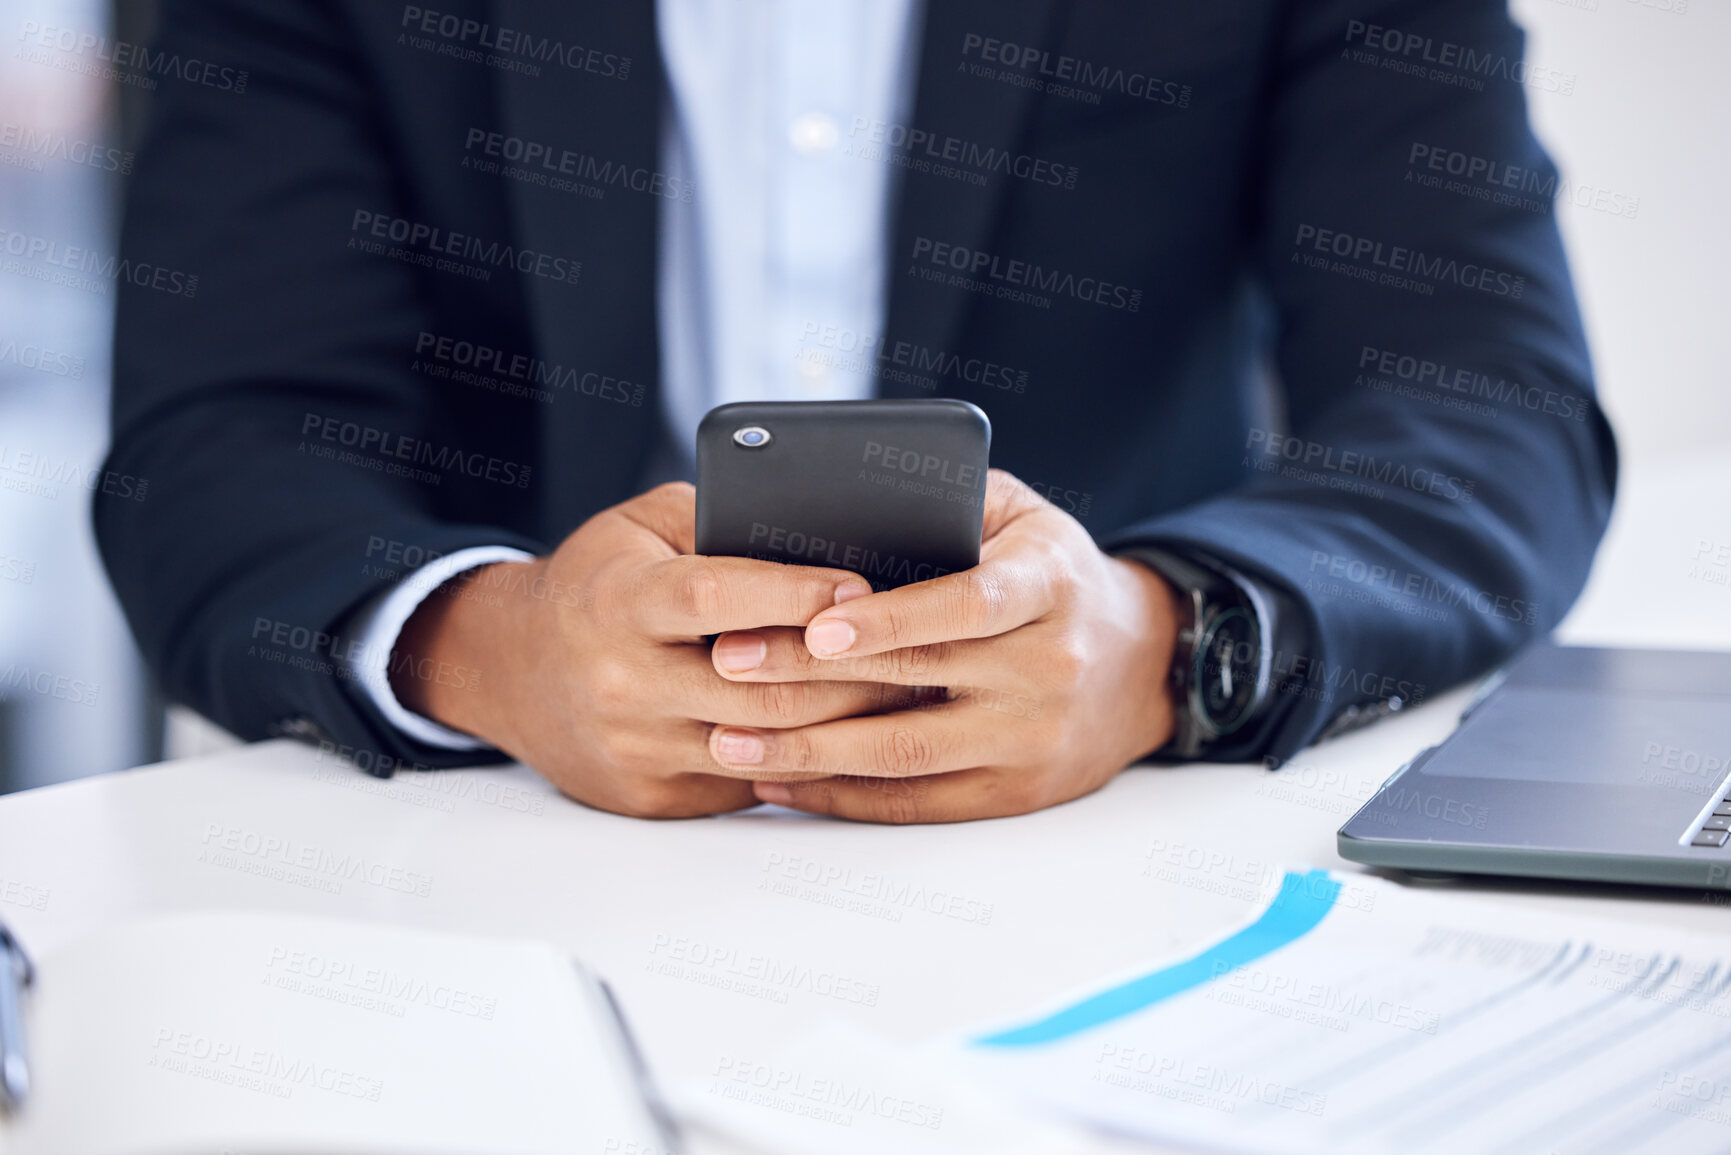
{"x": 263, "y": 1034}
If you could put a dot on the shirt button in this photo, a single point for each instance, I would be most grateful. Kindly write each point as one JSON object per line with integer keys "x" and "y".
{"x": 813, "y": 373}
{"x": 813, "y": 134}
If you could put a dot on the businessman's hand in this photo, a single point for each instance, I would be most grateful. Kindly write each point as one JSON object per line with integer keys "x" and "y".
{"x": 594, "y": 665}
{"x": 1055, "y": 657}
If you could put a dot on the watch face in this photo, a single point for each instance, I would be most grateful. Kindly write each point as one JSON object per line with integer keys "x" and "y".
{"x": 1225, "y": 687}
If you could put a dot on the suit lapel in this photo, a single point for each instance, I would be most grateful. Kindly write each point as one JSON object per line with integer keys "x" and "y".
{"x": 593, "y": 450}
{"x": 596, "y": 434}
{"x": 951, "y": 100}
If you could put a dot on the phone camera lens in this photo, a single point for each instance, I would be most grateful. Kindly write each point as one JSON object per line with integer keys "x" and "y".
{"x": 751, "y": 437}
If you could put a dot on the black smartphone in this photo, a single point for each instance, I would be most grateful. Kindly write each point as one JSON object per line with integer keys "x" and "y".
{"x": 893, "y": 490}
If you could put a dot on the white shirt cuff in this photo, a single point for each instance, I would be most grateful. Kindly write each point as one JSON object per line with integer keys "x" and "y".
{"x": 378, "y": 625}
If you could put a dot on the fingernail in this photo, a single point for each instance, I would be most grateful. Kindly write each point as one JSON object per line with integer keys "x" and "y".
{"x": 737, "y": 653}
{"x": 773, "y": 792}
{"x": 848, "y": 591}
{"x": 739, "y": 747}
{"x": 827, "y": 639}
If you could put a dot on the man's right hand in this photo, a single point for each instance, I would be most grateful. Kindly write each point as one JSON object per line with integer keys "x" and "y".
{"x": 595, "y": 668}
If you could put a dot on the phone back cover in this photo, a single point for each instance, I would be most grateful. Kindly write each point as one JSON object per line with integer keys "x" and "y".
{"x": 893, "y": 490}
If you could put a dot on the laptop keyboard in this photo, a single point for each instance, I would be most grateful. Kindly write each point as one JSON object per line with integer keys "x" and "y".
{"x": 1717, "y": 829}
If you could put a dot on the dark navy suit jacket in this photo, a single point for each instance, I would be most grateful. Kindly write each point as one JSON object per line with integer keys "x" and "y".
{"x": 1276, "y": 281}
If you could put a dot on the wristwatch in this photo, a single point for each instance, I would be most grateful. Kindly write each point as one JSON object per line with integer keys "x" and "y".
{"x": 1222, "y": 662}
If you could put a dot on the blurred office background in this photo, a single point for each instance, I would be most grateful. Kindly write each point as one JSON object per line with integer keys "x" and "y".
{"x": 73, "y": 697}
{"x": 1635, "y": 104}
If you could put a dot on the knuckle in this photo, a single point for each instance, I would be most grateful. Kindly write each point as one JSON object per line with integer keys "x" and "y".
{"x": 801, "y": 660}
{"x": 984, "y": 598}
{"x": 782, "y": 703}
{"x": 793, "y": 751}
{"x": 698, "y": 593}
{"x": 619, "y": 749}
{"x": 648, "y": 798}
{"x": 915, "y": 662}
{"x": 899, "y": 807}
{"x": 1065, "y": 662}
{"x": 612, "y": 688}
{"x": 812, "y": 590}
{"x": 1061, "y": 572}
{"x": 898, "y": 627}
{"x": 905, "y": 751}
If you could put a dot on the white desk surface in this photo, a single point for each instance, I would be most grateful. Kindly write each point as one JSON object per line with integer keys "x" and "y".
{"x": 961, "y": 924}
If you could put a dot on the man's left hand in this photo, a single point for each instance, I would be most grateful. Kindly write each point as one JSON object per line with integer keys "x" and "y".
{"x": 1053, "y": 659}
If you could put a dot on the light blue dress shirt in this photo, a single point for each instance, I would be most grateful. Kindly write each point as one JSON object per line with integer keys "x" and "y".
{"x": 771, "y": 278}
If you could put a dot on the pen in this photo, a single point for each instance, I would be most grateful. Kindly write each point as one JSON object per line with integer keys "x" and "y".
{"x": 667, "y": 1129}
{"x": 14, "y": 1068}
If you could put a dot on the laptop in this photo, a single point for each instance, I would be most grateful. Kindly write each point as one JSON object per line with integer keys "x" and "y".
{"x": 1574, "y": 762}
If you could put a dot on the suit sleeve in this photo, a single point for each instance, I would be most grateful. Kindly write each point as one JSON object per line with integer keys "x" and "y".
{"x": 1442, "y": 479}
{"x": 263, "y": 391}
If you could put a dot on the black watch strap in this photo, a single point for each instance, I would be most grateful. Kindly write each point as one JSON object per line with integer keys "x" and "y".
{"x": 1216, "y": 593}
